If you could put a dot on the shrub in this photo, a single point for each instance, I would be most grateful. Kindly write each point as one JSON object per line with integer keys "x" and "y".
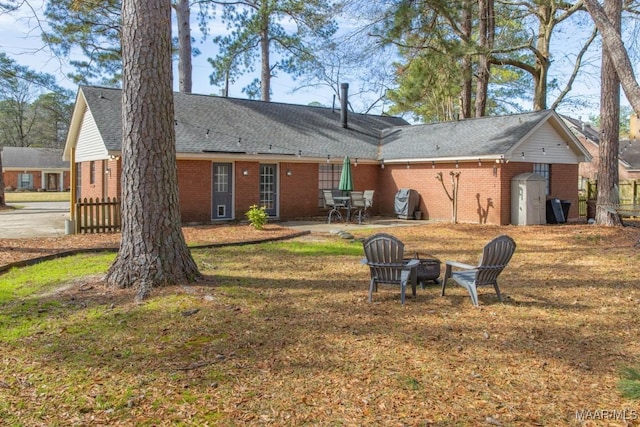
{"x": 257, "y": 216}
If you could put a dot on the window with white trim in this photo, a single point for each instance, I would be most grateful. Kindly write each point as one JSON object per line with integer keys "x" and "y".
{"x": 544, "y": 169}
{"x": 25, "y": 181}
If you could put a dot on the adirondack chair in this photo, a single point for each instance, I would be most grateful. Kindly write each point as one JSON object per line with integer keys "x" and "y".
{"x": 495, "y": 257}
{"x": 384, "y": 256}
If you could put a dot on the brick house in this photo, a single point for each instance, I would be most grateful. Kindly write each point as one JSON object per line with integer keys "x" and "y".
{"x": 233, "y": 153}
{"x": 628, "y": 156}
{"x": 28, "y": 168}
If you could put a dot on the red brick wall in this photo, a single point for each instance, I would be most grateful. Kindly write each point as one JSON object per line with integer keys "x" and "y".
{"x": 114, "y": 188}
{"x": 482, "y": 196}
{"x": 366, "y": 177}
{"x": 484, "y": 191}
{"x": 247, "y": 187}
{"x": 11, "y": 179}
{"x": 564, "y": 186}
{"x": 299, "y": 191}
{"x": 92, "y": 190}
{"x": 479, "y": 191}
{"x": 194, "y": 190}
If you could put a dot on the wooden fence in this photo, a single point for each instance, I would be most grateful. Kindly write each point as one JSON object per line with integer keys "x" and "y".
{"x": 582, "y": 206}
{"x": 97, "y": 216}
{"x": 628, "y": 196}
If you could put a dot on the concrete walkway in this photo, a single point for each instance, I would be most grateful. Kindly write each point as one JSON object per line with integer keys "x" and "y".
{"x": 321, "y": 226}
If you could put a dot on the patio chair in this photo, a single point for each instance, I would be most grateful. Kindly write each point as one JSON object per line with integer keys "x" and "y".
{"x": 368, "y": 198}
{"x": 358, "y": 204}
{"x": 384, "y": 256}
{"x": 332, "y": 205}
{"x": 495, "y": 257}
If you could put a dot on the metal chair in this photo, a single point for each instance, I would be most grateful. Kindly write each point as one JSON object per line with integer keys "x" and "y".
{"x": 358, "y": 204}
{"x": 368, "y": 198}
{"x": 384, "y": 256}
{"x": 495, "y": 257}
{"x": 332, "y": 205}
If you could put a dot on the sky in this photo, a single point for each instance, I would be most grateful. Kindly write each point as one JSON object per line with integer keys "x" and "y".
{"x": 20, "y": 39}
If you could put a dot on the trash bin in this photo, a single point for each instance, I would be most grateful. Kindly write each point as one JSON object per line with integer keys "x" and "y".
{"x": 555, "y": 215}
{"x": 406, "y": 202}
{"x": 566, "y": 204}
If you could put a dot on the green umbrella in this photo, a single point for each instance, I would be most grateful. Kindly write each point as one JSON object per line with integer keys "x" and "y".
{"x": 346, "y": 180}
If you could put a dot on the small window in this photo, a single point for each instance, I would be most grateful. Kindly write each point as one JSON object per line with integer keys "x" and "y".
{"x": 92, "y": 172}
{"x": 544, "y": 169}
{"x": 26, "y": 181}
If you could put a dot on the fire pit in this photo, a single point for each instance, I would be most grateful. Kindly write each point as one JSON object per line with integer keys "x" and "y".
{"x": 428, "y": 269}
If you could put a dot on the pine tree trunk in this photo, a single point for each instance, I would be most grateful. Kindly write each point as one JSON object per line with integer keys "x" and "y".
{"x": 3, "y": 201}
{"x": 265, "y": 73}
{"x": 545, "y": 29}
{"x": 467, "y": 67}
{"x": 265, "y": 41}
{"x": 183, "y": 15}
{"x": 485, "y": 42}
{"x": 153, "y": 251}
{"x": 609, "y": 128}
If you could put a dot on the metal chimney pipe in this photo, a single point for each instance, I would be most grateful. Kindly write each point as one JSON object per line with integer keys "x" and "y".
{"x": 344, "y": 99}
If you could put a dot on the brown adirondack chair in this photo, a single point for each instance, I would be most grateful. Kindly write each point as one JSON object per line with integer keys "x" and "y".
{"x": 495, "y": 257}
{"x": 384, "y": 256}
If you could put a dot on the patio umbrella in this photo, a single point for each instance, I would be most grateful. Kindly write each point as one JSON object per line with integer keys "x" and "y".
{"x": 346, "y": 180}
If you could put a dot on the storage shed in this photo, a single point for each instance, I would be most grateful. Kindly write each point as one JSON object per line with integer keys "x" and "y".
{"x": 528, "y": 194}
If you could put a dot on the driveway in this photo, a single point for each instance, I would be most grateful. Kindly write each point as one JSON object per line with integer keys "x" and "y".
{"x": 34, "y": 219}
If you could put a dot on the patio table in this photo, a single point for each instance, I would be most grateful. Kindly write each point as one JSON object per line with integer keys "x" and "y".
{"x": 346, "y": 200}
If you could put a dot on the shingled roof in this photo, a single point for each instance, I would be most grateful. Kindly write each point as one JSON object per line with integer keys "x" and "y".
{"x": 217, "y": 124}
{"x": 579, "y": 127}
{"x": 32, "y": 158}
{"x": 211, "y": 124}
{"x": 630, "y": 153}
{"x": 629, "y": 149}
{"x": 484, "y": 137}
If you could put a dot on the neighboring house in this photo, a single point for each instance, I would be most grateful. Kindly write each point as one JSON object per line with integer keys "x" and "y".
{"x": 628, "y": 156}
{"x": 630, "y": 150}
{"x": 234, "y": 153}
{"x": 27, "y": 168}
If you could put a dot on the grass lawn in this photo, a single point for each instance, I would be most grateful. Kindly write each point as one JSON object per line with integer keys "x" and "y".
{"x": 34, "y": 196}
{"x": 282, "y": 334}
